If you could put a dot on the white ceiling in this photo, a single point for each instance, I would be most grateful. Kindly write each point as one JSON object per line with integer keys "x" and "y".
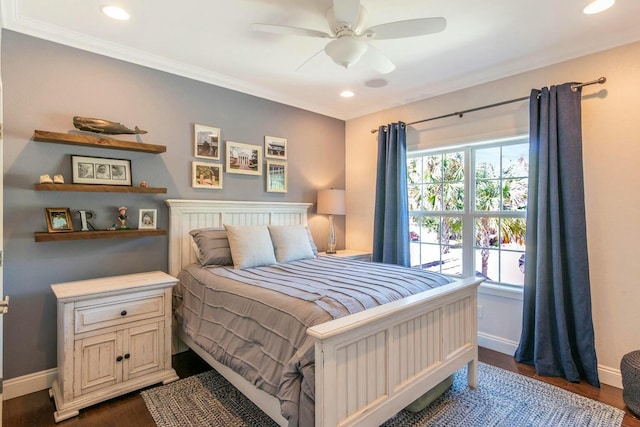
{"x": 211, "y": 41}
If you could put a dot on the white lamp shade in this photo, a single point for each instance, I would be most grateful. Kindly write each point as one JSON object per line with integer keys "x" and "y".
{"x": 331, "y": 202}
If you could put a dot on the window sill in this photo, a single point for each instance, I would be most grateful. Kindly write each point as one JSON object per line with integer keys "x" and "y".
{"x": 504, "y": 291}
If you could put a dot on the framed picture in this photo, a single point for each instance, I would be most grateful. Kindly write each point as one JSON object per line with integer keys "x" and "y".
{"x": 275, "y": 148}
{"x": 206, "y": 142}
{"x": 58, "y": 220}
{"x": 244, "y": 158}
{"x": 148, "y": 218}
{"x": 276, "y": 176}
{"x": 206, "y": 175}
{"x": 100, "y": 170}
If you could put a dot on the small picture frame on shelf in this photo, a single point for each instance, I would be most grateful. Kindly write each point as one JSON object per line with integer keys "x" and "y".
{"x": 276, "y": 176}
{"x": 244, "y": 158}
{"x": 206, "y": 175}
{"x": 100, "y": 170}
{"x": 58, "y": 220}
{"x": 275, "y": 148}
{"x": 206, "y": 142}
{"x": 148, "y": 219}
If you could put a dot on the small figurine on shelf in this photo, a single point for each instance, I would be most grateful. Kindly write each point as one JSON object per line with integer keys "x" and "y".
{"x": 122, "y": 218}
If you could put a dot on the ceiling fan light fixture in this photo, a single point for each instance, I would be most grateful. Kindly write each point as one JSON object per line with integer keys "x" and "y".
{"x": 346, "y": 51}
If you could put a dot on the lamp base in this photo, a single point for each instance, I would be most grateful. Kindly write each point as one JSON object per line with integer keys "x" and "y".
{"x": 331, "y": 252}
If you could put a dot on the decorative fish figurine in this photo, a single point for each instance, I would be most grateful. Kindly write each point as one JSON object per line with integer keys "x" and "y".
{"x": 103, "y": 126}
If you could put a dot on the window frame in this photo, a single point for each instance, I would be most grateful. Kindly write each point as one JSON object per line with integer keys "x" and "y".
{"x": 468, "y": 214}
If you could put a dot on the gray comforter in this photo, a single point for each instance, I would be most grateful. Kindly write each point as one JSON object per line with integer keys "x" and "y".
{"x": 255, "y": 320}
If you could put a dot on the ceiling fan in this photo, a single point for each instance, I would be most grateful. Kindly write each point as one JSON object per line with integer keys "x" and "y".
{"x": 348, "y": 38}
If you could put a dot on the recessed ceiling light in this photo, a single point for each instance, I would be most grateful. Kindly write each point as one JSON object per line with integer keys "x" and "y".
{"x": 598, "y": 6}
{"x": 346, "y": 94}
{"x": 115, "y": 12}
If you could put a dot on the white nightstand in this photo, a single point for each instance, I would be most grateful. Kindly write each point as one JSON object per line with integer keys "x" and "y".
{"x": 350, "y": 254}
{"x": 114, "y": 337}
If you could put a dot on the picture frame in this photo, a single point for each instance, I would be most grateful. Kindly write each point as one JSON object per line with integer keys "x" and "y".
{"x": 275, "y": 148}
{"x": 59, "y": 220}
{"x": 100, "y": 170}
{"x": 148, "y": 219}
{"x": 206, "y": 175}
{"x": 244, "y": 158}
{"x": 277, "y": 176}
{"x": 206, "y": 142}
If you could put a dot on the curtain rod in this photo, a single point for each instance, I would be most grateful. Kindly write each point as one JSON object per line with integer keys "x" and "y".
{"x": 574, "y": 88}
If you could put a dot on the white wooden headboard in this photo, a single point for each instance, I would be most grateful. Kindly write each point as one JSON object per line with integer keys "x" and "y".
{"x": 187, "y": 215}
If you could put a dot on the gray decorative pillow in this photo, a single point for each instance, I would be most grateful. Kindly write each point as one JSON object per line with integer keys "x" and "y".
{"x": 212, "y": 246}
{"x": 290, "y": 242}
{"x": 250, "y": 245}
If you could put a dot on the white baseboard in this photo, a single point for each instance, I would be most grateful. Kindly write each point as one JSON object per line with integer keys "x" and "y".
{"x": 30, "y": 383}
{"x": 610, "y": 376}
{"x": 495, "y": 343}
{"x": 37, "y": 381}
{"x": 607, "y": 375}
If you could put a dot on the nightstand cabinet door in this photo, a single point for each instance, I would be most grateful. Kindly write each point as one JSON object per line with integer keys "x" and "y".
{"x": 95, "y": 363}
{"x": 143, "y": 350}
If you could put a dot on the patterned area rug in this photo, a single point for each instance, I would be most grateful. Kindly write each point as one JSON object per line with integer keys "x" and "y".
{"x": 502, "y": 399}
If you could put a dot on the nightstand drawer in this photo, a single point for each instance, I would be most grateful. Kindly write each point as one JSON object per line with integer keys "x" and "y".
{"x": 113, "y": 311}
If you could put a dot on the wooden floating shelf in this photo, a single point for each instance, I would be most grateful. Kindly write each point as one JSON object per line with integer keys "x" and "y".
{"x": 98, "y": 188}
{"x": 93, "y": 141}
{"x": 97, "y": 234}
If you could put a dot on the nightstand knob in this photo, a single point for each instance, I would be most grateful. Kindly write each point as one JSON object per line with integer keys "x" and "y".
{"x": 123, "y": 313}
{"x": 126, "y": 356}
{"x": 119, "y": 359}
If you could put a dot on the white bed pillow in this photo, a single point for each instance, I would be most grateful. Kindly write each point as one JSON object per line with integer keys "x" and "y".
{"x": 291, "y": 242}
{"x": 250, "y": 245}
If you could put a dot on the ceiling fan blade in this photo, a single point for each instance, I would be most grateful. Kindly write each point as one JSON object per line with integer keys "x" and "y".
{"x": 346, "y": 11}
{"x": 289, "y": 31}
{"x": 409, "y": 28}
{"x": 378, "y": 60}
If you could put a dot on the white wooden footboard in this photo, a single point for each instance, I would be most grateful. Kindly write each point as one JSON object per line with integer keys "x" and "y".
{"x": 372, "y": 364}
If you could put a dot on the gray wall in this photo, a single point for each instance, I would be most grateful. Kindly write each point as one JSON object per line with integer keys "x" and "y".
{"x": 45, "y": 85}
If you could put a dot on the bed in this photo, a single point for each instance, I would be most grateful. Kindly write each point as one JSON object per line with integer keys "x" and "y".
{"x": 368, "y": 365}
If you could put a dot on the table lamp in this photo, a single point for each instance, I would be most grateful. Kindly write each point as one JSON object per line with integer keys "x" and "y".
{"x": 331, "y": 202}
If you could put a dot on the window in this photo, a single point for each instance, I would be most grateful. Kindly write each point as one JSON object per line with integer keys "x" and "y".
{"x": 468, "y": 210}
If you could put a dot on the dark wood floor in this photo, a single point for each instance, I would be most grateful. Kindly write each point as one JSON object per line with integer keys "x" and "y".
{"x": 36, "y": 409}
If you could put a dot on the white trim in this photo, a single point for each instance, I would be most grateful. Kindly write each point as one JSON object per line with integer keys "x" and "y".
{"x": 495, "y": 343}
{"x": 610, "y": 376}
{"x": 415, "y": 151}
{"x": 503, "y": 291}
{"x": 31, "y": 383}
{"x": 15, "y": 21}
